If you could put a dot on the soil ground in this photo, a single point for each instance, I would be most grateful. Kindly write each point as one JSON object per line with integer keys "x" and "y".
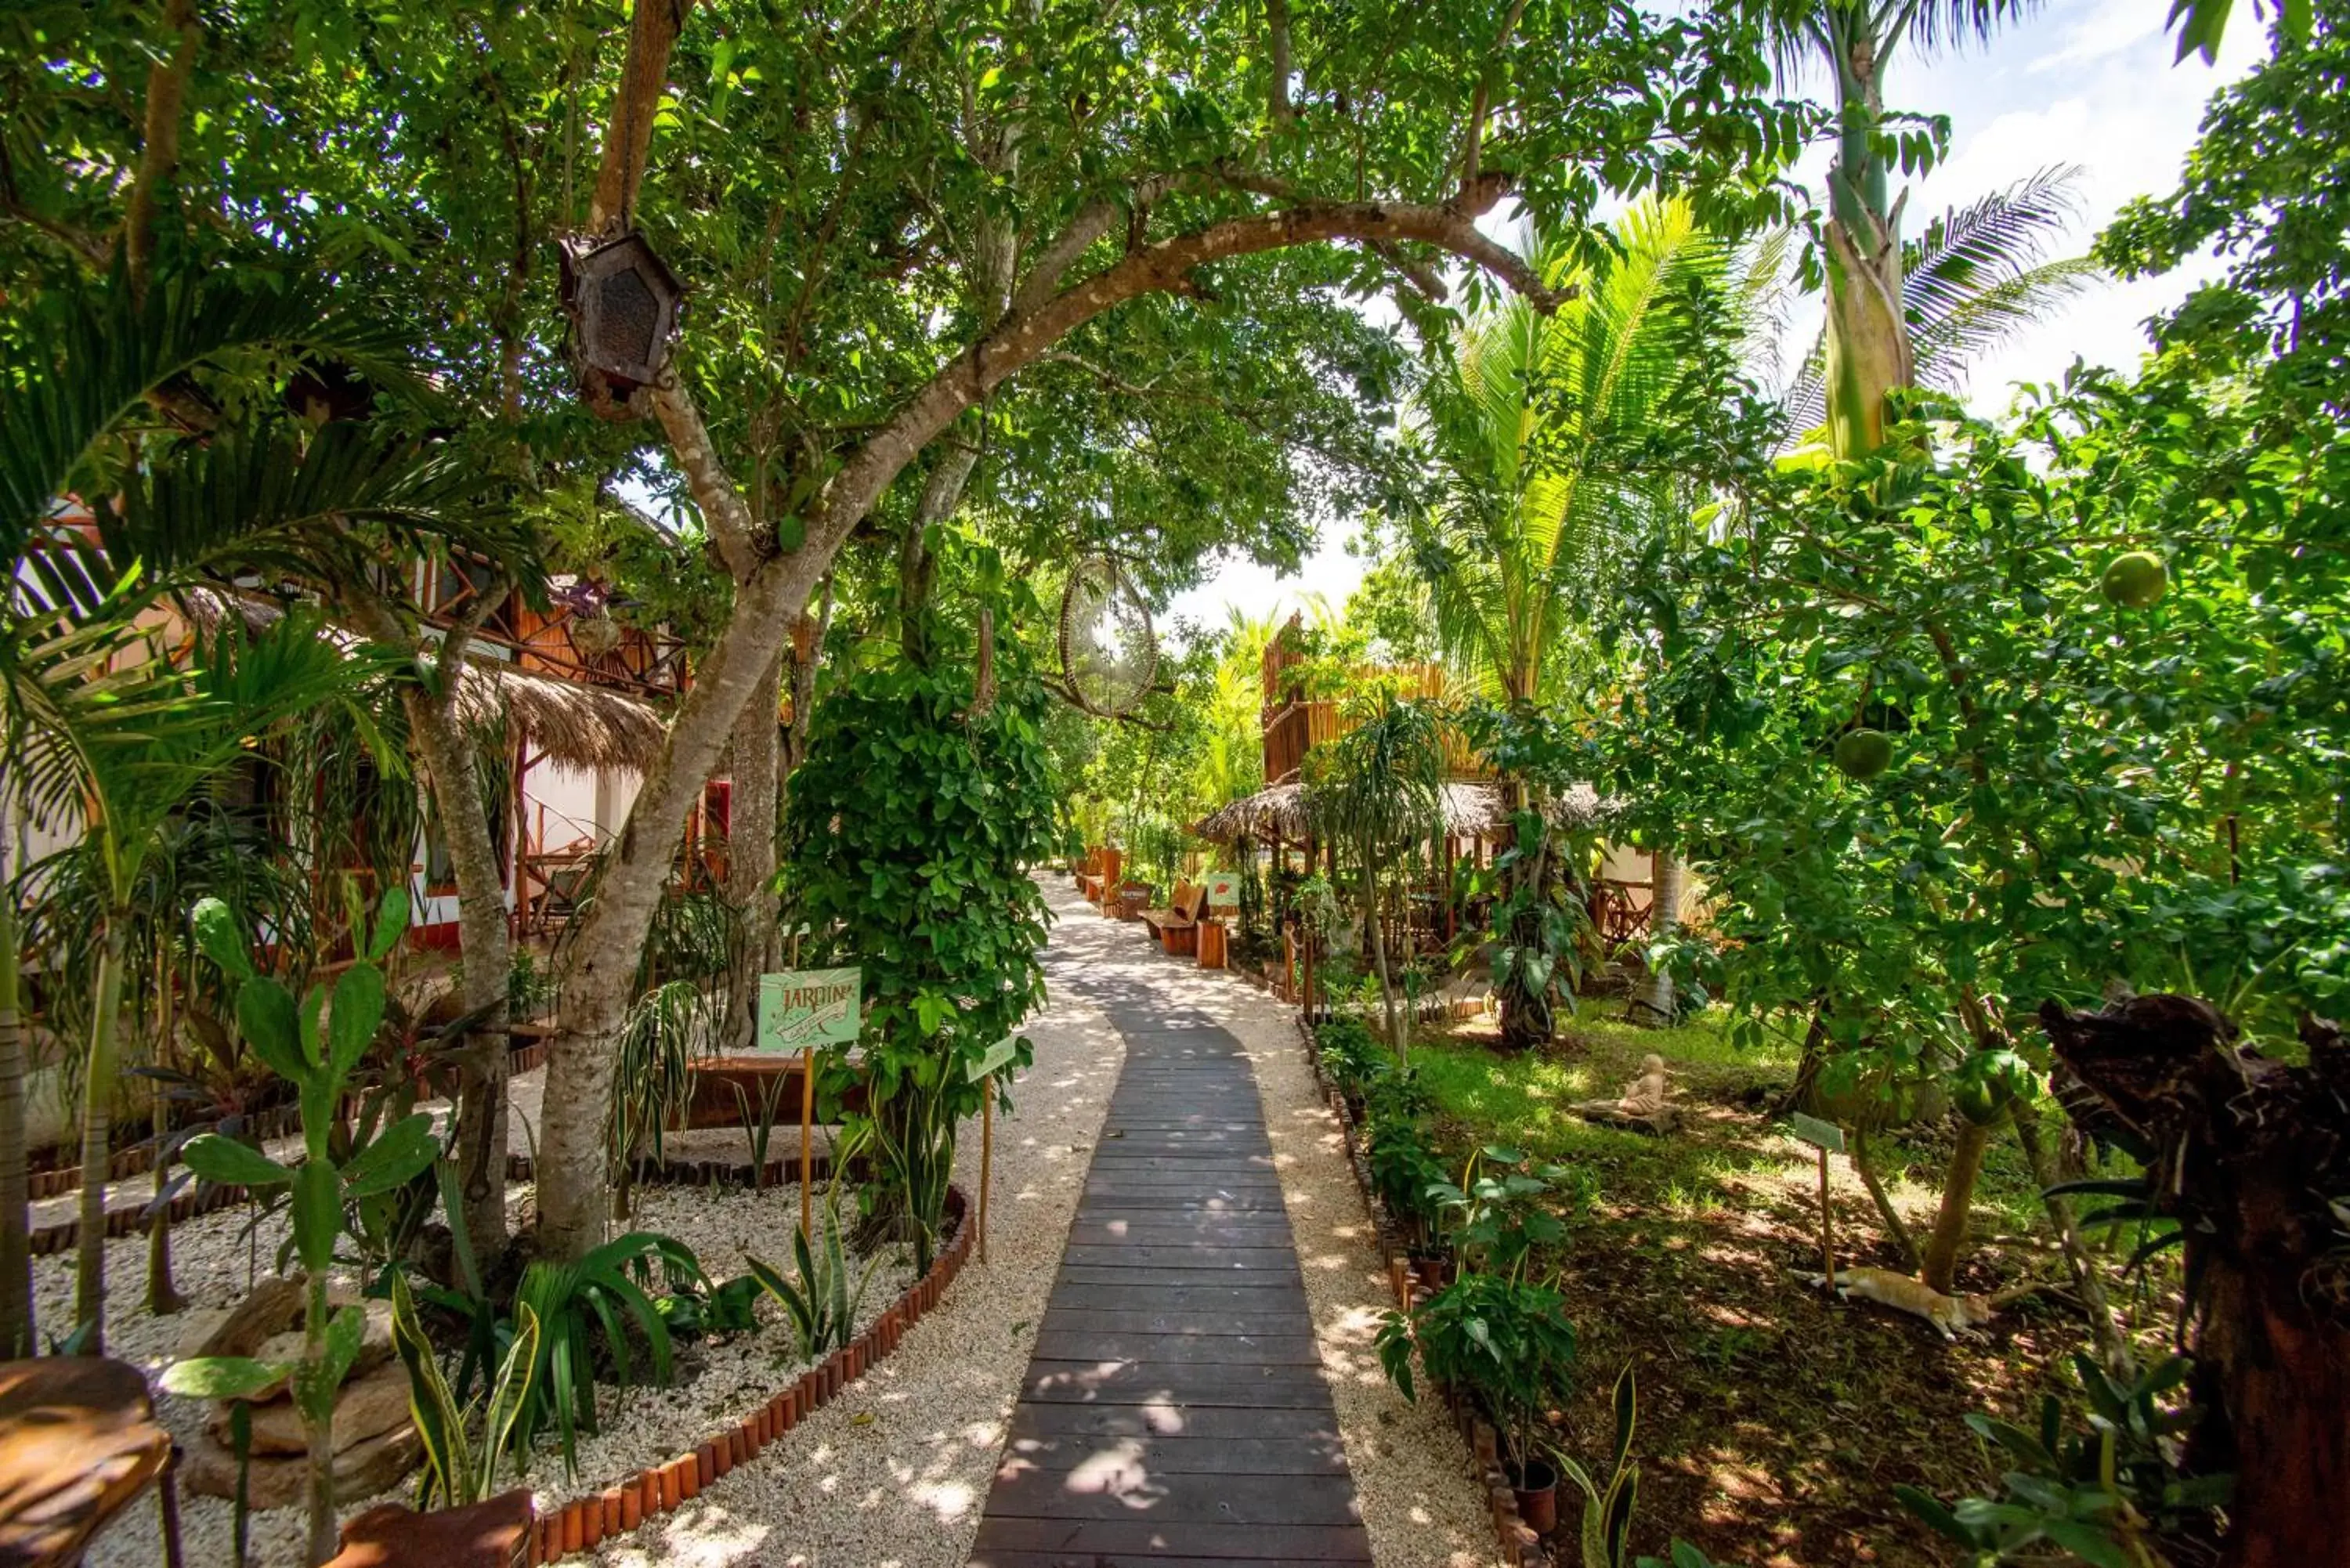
{"x": 1773, "y": 1421}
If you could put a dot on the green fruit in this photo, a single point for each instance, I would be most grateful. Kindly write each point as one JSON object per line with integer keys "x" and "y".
{"x": 1864, "y": 753}
{"x": 2136, "y": 580}
{"x": 1977, "y": 1101}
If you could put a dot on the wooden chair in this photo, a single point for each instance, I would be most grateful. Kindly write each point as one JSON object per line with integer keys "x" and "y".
{"x": 1178, "y": 929}
{"x": 78, "y": 1442}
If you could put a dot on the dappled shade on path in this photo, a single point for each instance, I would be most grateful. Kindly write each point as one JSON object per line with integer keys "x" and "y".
{"x": 1175, "y": 1411}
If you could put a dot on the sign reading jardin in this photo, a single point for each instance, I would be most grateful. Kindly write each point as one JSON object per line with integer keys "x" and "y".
{"x": 801, "y": 1008}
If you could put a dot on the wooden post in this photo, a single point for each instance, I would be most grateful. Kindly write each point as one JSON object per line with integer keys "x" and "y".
{"x": 986, "y": 1162}
{"x": 1828, "y": 1224}
{"x": 807, "y": 1140}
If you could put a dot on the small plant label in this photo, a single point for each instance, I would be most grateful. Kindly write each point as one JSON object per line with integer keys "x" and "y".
{"x": 1223, "y": 890}
{"x": 1817, "y": 1133}
{"x": 803, "y": 1008}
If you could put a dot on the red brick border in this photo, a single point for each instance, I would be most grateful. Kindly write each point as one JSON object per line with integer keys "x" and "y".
{"x": 585, "y": 1523}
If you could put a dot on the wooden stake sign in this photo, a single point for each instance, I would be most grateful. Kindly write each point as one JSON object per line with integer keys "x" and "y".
{"x": 1826, "y": 1136}
{"x": 800, "y": 1010}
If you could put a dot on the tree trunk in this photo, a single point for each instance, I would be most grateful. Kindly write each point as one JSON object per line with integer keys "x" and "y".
{"x": 2112, "y": 1348}
{"x": 486, "y": 942}
{"x": 17, "y": 1328}
{"x": 2245, "y": 1153}
{"x": 1399, "y": 1035}
{"x": 756, "y": 748}
{"x": 1949, "y": 1237}
{"x": 1894, "y": 1226}
{"x": 1666, "y": 880}
{"x": 97, "y": 1087}
{"x": 163, "y": 1298}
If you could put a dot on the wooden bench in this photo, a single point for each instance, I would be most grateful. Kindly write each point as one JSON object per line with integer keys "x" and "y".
{"x": 1177, "y": 928}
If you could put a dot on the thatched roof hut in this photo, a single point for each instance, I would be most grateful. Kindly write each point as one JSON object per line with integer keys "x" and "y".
{"x": 1470, "y": 811}
{"x": 584, "y": 727}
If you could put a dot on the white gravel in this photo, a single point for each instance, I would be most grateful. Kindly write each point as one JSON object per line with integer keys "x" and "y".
{"x": 895, "y": 1471}
{"x": 720, "y": 1381}
{"x": 1411, "y": 1470}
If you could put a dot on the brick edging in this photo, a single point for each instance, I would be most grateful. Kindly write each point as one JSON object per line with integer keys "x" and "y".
{"x": 583, "y": 1523}
{"x": 1518, "y": 1542}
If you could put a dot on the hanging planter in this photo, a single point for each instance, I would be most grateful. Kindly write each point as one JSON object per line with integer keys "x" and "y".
{"x": 623, "y": 302}
{"x": 594, "y": 636}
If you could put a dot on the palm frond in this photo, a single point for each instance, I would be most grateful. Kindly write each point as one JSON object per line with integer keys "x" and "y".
{"x": 95, "y": 354}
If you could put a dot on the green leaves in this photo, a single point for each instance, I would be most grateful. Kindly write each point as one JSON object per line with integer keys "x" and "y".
{"x": 223, "y": 1376}
{"x": 231, "y": 1163}
{"x": 397, "y": 1156}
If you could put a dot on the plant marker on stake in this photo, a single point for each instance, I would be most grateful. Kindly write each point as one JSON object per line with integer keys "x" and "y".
{"x": 1823, "y": 1137}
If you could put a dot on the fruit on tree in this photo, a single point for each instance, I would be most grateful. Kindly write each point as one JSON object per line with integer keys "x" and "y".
{"x": 1864, "y": 753}
{"x": 2136, "y": 580}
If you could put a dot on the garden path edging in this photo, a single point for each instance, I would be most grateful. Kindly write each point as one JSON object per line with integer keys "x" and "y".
{"x": 585, "y": 1523}
{"x": 1519, "y": 1543}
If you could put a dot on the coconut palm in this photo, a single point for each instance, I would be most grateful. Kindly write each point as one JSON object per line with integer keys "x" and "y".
{"x": 104, "y": 730}
{"x": 1871, "y": 351}
{"x": 1538, "y": 432}
{"x": 1977, "y": 275}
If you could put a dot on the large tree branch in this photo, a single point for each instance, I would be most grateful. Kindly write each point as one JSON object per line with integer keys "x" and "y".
{"x": 1276, "y": 26}
{"x": 1027, "y": 336}
{"x": 722, "y": 506}
{"x": 1481, "y": 104}
{"x": 159, "y": 151}
{"x": 652, "y": 36}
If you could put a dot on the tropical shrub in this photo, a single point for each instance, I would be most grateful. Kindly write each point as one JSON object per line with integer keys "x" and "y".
{"x": 602, "y": 1303}
{"x": 2109, "y": 1493}
{"x": 910, "y": 829}
{"x": 1504, "y": 1339}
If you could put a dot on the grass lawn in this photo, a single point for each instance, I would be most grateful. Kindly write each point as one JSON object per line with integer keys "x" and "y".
{"x": 1774, "y": 1422}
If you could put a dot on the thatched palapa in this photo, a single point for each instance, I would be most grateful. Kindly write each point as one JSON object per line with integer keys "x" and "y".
{"x": 583, "y": 727}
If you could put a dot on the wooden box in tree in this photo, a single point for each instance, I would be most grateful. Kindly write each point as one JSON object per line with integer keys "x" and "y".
{"x": 623, "y": 302}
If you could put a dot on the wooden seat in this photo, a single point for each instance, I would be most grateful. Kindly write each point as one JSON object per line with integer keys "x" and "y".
{"x": 1178, "y": 929}
{"x": 492, "y": 1534}
{"x": 78, "y": 1441}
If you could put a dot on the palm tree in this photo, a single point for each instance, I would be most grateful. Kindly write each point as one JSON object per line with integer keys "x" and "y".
{"x": 1379, "y": 790}
{"x": 1536, "y": 433}
{"x": 1871, "y": 351}
{"x": 103, "y": 727}
{"x": 1978, "y": 274}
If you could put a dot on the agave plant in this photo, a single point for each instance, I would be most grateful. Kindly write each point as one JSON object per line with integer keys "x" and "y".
{"x": 822, "y": 1302}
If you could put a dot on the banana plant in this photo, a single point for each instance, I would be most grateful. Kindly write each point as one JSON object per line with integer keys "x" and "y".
{"x": 316, "y": 1046}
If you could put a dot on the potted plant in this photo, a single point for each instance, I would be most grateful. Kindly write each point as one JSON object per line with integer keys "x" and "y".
{"x": 1506, "y": 1341}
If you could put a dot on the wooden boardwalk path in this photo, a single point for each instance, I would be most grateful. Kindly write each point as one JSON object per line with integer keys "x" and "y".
{"x": 1174, "y": 1413}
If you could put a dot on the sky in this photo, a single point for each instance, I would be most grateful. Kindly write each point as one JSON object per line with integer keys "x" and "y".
{"x": 2086, "y": 82}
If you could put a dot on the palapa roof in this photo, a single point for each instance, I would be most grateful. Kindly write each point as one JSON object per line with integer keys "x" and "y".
{"x": 583, "y": 727}
{"x": 1470, "y": 811}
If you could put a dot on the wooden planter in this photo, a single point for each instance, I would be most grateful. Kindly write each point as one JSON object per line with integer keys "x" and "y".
{"x": 713, "y": 1080}
{"x": 1213, "y": 941}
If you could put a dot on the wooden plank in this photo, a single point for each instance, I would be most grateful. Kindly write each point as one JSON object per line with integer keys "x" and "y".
{"x": 1191, "y": 1321}
{"x": 1131, "y": 1492}
{"x": 1172, "y": 1254}
{"x": 1068, "y": 1295}
{"x": 1258, "y": 1350}
{"x": 1098, "y": 1559}
{"x": 1178, "y": 1278}
{"x": 1183, "y": 1387}
{"x": 1091, "y": 1540}
{"x": 1209, "y": 1422}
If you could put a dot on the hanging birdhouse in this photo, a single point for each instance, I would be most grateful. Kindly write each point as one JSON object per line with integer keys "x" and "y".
{"x": 623, "y": 305}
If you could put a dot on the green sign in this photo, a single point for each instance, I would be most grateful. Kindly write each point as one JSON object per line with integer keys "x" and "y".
{"x": 1817, "y": 1133}
{"x": 800, "y": 1007}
